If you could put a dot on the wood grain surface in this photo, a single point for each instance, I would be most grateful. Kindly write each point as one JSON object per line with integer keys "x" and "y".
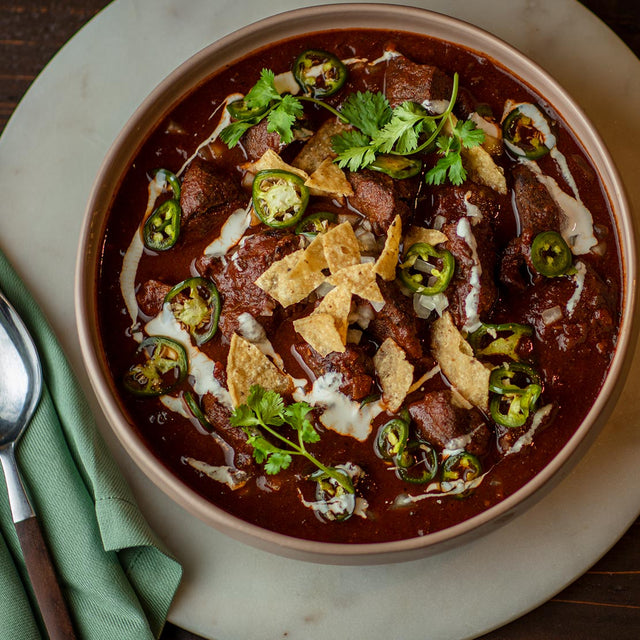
{"x": 604, "y": 603}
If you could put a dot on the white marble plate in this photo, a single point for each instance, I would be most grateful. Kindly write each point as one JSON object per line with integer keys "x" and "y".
{"x": 49, "y": 155}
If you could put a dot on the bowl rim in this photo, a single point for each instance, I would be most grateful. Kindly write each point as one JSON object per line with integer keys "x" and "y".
{"x": 194, "y": 71}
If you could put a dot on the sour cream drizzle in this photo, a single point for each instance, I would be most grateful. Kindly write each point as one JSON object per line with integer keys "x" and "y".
{"x": 342, "y": 415}
{"x": 576, "y": 225}
{"x": 463, "y": 230}
{"x": 231, "y": 233}
{"x": 579, "y": 279}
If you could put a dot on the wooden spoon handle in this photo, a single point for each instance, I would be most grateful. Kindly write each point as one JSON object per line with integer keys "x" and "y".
{"x": 43, "y": 579}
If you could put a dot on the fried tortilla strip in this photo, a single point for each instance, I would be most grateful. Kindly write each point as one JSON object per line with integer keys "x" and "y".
{"x": 337, "y": 303}
{"x": 359, "y": 279}
{"x": 318, "y": 147}
{"x": 453, "y": 353}
{"x": 329, "y": 180}
{"x": 387, "y": 261}
{"x": 394, "y": 373}
{"x": 341, "y": 247}
{"x": 320, "y": 331}
{"x": 422, "y": 234}
{"x": 246, "y": 366}
{"x": 270, "y": 161}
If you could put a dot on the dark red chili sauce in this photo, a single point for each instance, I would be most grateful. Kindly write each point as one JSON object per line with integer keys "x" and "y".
{"x": 571, "y": 353}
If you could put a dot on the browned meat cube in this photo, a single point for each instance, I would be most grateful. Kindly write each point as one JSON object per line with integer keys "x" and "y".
{"x": 208, "y": 196}
{"x": 380, "y": 198}
{"x": 235, "y": 277}
{"x": 257, "y": 140}
{"x": 441, "y": 422}
{"x": 151, "y": 296}
{"x": 407, "y": 80}
{"x": 355, "y": 365}
{"x": 397, "y": 320}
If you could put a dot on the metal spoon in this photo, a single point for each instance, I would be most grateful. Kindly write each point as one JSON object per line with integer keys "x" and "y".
{"x": 20, "y": 388}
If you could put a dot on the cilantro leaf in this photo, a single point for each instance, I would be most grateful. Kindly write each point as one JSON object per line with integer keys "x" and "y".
{"x": 296, "y": 416}
{"x": 449, "y": 165}
{"x": 231, "y": 134}
{"x": 267, "y": 405}
{"x": 277, "y": 461}
{"x": 354, "y": 150}
{"x": 367, "y": 111}
{"x": 263, "y": 91}
{"x": 468, "y": 133}
{"x": 401, "y": 133}
{"x": 283, "y": 116}
{"x": 243, "y": 416}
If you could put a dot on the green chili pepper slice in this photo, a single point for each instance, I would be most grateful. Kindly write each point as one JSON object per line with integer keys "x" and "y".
{"x": 458, "y": 468}
{"x": 319, "y": 73}
{"x": 392, "y": 438}
{"x": 417, "y": 262}
{"x": 171, "y": 179}
{"x": 162, "y": 228}
{"x": 239, "y": 110}
{"x": 513, "y": 378}
{"x": 513, "y": 409}
{"x": 398, "y": 167}
{"x": 197, "y": 412}
{"x": 499, "y": 339}
{"x": 550, "y": 254}
{"x": 417, "y": 463}
{"x": 316, "y": 223}
{"x": 279, "y": 197}
{"x": 526, "y": 132}
{"x": 165, "y": 365}
{"x": 340, "y": 494}
{"x": 196, "y": 303}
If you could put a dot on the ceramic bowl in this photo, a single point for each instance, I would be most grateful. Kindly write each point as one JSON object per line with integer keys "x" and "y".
{"x": 192, "y": 73}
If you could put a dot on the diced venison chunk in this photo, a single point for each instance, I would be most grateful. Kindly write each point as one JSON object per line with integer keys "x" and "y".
{"x": 445, "y": 425}
{"x": 151, "y": 296}
{"x": 208, "y": 196}
{"x": 235, "y": 278}
{"x": 469, "y": 213}
{"x": 536, "y": 208}
{"x": 257, "y": 140}
{"x": 397, "y": 320}
{"x": 355, "y": 365}
{"x": 380, "y": 198}
{"x": 407, "y": 80}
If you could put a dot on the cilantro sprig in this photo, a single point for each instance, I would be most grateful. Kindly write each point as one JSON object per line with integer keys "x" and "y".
{"x": 376, "y": 128}
{"x": 262, "y": 415}
{"x": 281, "y": 111}
{"x": 405, "y": 130}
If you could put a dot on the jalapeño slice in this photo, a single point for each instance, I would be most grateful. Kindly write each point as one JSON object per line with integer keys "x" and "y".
{"x": 514, "y": 377}
{"x": 239, "y": 110}
{"x": 170, "y": 178}
{"x": 195, "y": 302}
{"x": 392, "y": 438}
{"x": 527, "y": 133}
{"x": 513, "y": 409}
{"x": 164, "y": 366}
{"x": 418, "y": 263}
{"x": 162, "y": 228}
{"x": 398, "y": 167}
{"x": 316, "y": 223}
{"x": 319, "y": 73}
{"x": 499, "y": 339}
{"x": 550, "y": 254}
{"x": 458, "y": 468}
{"x": 279, "y": 197}
{"x": 337, "y": 492}
{"x": 417, "y": 463}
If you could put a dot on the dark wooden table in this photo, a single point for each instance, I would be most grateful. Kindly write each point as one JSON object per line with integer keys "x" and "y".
{"x": 604, "y": 603}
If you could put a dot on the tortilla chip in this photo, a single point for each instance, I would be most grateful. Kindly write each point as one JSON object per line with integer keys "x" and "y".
{"x": 422, "y": 234}
{"x": 385, "y": 265}
{"x": 319, "y": 330}
{"x": 246, "y": 366}
{"x": 337, "y": 304}
{"x": 359, "y": 279}
{"x": 394, "y": 373}
{"x": 455, "y": 356}
{"x": 270, "y": 160}
{"x": 277, "y": 281}
{"x": 318, "y": 148}
{"x": 329, "y": 180}
{"x": 341, "y": 247}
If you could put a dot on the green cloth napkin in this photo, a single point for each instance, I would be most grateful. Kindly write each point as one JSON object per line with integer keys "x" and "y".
{"x": 115, "y": 575}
